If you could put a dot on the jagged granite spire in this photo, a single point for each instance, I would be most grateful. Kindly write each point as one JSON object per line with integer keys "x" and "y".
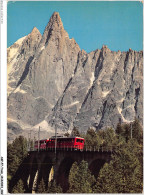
{"x": 54, "y": 29}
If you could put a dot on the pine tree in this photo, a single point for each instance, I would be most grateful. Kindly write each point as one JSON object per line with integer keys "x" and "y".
{"x": 16, "y": 152}
{"x": 75, "y": 132}
{"x": 12, "y": 160}
{"x": 19, "y": 188}
{"x": 120, "y": 131}
{"x": 73, "y": 176}
{"x": 53, "y": 187}
{"x": 109, "y": 139}
{"x": 123, "y": 174}
{"x": 80, "y": 178}
{"x": 127, "y": 131}
{"x": 67, "y": 134}
{"x": 20, "y": 145}
{"x": 124, "y": 132}
{"x": 92, "y": 140}
{"x": 41, "y": 187}
{"x": 137, "y": 131}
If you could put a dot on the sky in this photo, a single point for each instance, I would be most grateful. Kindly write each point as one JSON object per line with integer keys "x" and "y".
{"x": 117, "y": 24}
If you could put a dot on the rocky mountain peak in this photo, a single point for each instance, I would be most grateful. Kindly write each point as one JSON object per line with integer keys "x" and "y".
{"x": 35, "y": 32}
{"x": 83, "y": 52}
{"x": 55, "y": 18}
{"x": 31, "y": 42}
{"x": 35, "y": 36}
{"x": 54, "y": 29}
{"x": 105, "y": 49}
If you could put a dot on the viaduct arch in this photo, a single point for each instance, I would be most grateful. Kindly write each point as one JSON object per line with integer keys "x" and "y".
{"x": 38, "y": 165}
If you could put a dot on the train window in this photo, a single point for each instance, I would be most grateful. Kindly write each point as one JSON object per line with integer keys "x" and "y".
{"x": 79, "y": 140}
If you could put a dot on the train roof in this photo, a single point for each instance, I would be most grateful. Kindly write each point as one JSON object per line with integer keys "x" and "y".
{"x": 42, "y": 140}
{"x": 66, "y": 137}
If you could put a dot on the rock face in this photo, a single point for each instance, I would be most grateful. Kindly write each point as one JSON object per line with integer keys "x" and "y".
{"x": 106, "y": 87}
{"x": 51, "y": 81}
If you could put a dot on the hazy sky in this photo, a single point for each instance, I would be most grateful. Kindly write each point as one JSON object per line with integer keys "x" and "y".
{"x": 92, "y": 24}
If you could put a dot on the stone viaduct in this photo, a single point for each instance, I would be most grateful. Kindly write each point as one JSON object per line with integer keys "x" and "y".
{"x": 39, "y": 165}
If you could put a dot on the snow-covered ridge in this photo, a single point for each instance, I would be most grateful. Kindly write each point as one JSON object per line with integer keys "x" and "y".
{"x": 13, "y": 49}
{"x": 18, "y": 42}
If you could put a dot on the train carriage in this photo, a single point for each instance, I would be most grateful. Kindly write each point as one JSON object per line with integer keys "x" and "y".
{"x": 76, "y": 143}
{"x": 42, "y": 144}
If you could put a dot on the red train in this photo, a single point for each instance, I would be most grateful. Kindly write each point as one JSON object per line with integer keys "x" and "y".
{"x": 42, "y": 144}
{"x": 76, "y": 143}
